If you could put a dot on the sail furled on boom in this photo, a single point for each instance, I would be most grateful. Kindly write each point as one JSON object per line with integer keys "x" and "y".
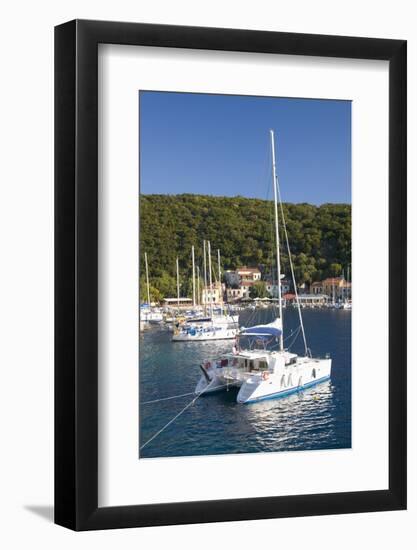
{"x": 268, "y": 330}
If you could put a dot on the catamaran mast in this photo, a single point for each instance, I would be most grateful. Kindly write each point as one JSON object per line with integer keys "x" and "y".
{"x": 274, "y": 177}
{"x": 284, "y": 226}
{"x": 147, "y": 279}
{"x": 192, "y": 256}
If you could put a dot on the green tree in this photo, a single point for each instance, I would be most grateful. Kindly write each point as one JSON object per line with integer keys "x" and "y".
{"x": 258, "y": 290}
{"x": 154, "y": 293}
{"x": 243, "y": 230}
{"x": 335, "y": 270}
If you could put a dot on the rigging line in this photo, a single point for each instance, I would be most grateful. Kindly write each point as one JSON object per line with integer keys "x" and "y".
{"x": 177, "y": 415}
{"x": 166, "y": 398}
{"x": 295, "y": 338}
{"x": 292, "y": 269}
{"x": 292, "y": 334}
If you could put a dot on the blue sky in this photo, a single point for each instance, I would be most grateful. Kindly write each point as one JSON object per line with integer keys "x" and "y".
{"x": 219, "y": 145}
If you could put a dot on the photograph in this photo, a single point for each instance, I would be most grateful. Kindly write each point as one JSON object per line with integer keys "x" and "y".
{"x": 245, "y": 274}
{"x": 209, "y": 267}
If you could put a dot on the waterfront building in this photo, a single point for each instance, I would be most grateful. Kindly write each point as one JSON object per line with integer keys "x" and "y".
{"x": 173, "y": 302}
{"x": 312, "y": 300}
{"x": 236, "y": 294}
{"x": 212, "y": 295}
{"x": 239, "y": 282}
{"x": 317, "y": 288}
{"x": 337, "y": 287}
{"x": 248, "y": 274}
{"x": 272, "y": 287}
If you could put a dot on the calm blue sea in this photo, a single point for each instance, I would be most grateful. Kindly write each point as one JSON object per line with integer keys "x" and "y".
{"x": 318, "y": 418}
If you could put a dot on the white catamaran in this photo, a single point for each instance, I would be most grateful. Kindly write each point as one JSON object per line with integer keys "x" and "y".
{"x": 256, "y": 366}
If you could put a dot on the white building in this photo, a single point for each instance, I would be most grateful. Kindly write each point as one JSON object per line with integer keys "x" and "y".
{"x": 272, "y": 287}
{"x": 236, "y": 294}
{"x": 251, "y": 274}
{"x": 213, "y": 295}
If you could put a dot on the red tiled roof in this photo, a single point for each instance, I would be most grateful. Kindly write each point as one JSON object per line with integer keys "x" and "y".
{"x": 332, "y": 280}
{"x": 250, "y": 269}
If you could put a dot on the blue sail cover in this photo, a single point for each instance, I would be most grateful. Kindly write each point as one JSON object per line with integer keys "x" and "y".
{"x": 265, "y": 331}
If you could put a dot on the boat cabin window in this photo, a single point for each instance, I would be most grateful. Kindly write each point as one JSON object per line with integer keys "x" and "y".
{"x": 257, "y": 365}
{"x": 291, "y": 361}
{"x": 263, "y": 365}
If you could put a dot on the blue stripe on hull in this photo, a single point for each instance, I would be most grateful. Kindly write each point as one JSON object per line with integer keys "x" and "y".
{"x": 284, "y": 393}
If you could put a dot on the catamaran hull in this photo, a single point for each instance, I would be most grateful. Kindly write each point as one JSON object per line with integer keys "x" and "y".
{"x": 282, "y": 393}
{"x": 261, "y": 387}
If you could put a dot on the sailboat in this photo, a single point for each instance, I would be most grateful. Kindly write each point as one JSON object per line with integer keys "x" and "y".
{"x": 211, "y": 326}
{"x": 147, "y": 313}
{"x": 259, "y": 365}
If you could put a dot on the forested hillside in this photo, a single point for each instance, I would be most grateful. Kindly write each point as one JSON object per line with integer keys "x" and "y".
{"x": 243, "y": 230}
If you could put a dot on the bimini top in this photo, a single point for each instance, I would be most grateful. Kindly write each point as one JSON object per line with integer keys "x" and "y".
{"x": 266, "y": 331}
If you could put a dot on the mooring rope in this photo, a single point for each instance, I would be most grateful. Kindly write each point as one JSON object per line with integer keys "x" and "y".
{"x": 178, "y": 415}
{"x": 166, "y": 398}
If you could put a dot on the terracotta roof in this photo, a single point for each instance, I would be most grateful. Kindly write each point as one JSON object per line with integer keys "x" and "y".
{"x": 332, "y": 280}
{"x": 250, "y": 269}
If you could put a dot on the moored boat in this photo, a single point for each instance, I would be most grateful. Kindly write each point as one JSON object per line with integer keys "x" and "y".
{"x": 260, "y": 367}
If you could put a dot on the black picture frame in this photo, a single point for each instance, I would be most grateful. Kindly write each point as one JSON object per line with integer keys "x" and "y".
{"x": 76, "y": 273}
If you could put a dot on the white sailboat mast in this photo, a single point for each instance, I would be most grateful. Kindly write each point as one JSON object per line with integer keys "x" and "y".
{"x": 284, "y": 226}
{"x": 198, "y": 286}
{"x": 193, "y": 259}
{"x": 147, "y": 279}
{"x": 178, "y": 285}
{"x": 274, "y": 176}
{"x": 205, "y": 278}
{"x": 210, "y": 279}
{"x": 220, "y": 280}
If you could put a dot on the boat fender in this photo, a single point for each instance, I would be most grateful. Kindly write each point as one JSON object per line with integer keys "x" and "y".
{"x": 265, "y": 375}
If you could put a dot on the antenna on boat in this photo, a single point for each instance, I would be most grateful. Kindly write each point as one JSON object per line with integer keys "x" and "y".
{"x": 274, "y": 176}
{"x": 147, "y": 279}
